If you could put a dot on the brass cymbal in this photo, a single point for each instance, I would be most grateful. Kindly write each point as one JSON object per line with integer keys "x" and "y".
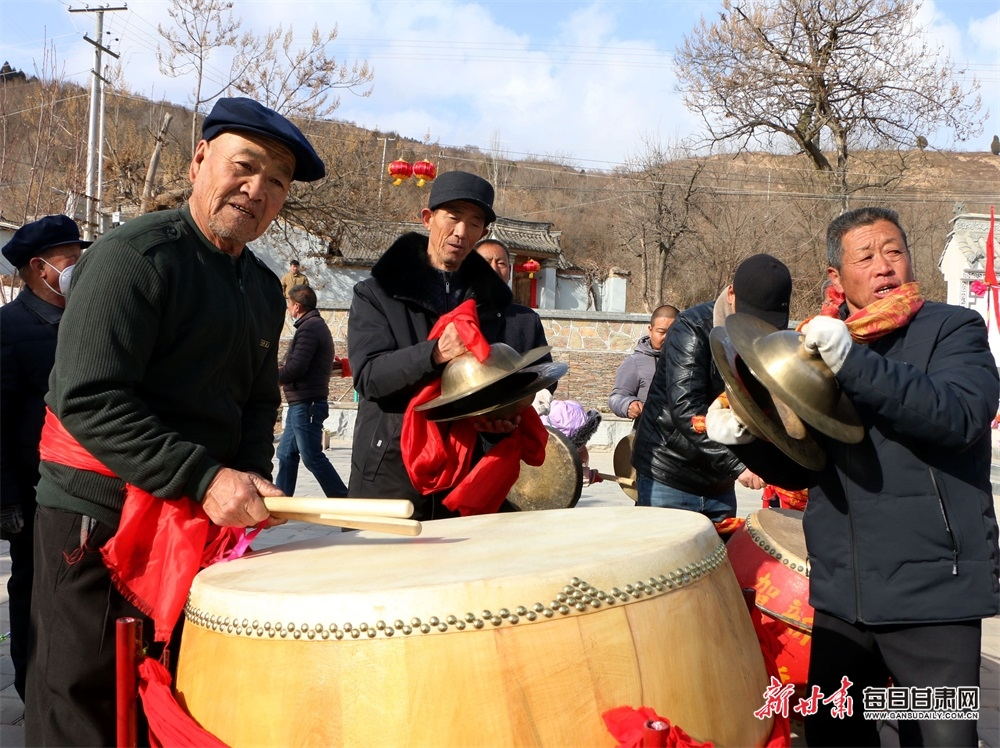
{"x": 512, "y": 392}
{"x": 779, "y": 361}
{"x": 622, "y": 461}
{"x": 756, "y": 407}
{"x": 465, "y": 375}
{"x": 556, "y": 483}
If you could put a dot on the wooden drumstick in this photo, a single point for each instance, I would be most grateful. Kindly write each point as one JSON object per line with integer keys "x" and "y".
{"x": 356, "y": 522}
{"x": 618, "y": 479}
{"x": 397, "y": 508}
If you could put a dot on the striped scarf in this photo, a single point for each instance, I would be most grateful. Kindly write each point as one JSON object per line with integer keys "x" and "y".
{"x": 891, "y": 312}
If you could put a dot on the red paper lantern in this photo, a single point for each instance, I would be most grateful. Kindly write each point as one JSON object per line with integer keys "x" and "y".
{"x": 529, "y": 266}
{"x": 399, "y": 171}
{"x": 424, "y": 172}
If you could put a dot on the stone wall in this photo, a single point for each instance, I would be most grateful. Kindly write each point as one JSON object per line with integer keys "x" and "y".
{"x": 592, "y": 343}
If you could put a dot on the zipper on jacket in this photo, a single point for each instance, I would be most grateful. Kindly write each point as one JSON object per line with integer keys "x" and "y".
{"x": 947, "y": 523}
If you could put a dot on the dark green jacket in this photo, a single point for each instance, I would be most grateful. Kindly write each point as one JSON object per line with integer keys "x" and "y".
{"x": 166, "y": 367}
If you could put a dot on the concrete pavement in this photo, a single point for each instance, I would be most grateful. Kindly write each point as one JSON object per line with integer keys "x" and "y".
{"x": 602, "y": 494}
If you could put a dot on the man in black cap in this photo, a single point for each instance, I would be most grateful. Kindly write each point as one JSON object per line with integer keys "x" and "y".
{"x": 44, "y": 253}
{"x": 677, "y": 465}
{"x": 166, "y": 374}
{"x": 416, "y": 281}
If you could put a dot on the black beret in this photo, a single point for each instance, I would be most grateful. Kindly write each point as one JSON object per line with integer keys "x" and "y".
{"x": 245, "y": 114}
{"x": 34, "y": 238}
{"x": 460, "y": 185}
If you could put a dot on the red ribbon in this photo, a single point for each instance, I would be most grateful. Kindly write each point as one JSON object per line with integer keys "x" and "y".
{"x": 170, "y": 724}
{"x": 438, "y": 457}
{"x": 991, "y": 273}
{"x": 160, "y": 544}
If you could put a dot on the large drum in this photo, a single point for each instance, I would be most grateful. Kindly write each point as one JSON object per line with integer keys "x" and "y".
{"x": 496, "y": 630}
{"x": 768, "y": 554}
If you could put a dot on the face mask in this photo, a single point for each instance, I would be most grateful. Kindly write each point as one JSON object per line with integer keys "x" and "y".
{"x": 65, "y": 276}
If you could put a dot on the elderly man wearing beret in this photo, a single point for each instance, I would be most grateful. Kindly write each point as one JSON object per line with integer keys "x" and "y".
{"x": 44, "y": 253}
{"x": 162, "y": 405}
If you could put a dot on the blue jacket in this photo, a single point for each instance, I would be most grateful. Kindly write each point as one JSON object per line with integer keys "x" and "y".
{"x": 900, "y": 528}
{"x": 305, "y": 375}
{"x": 28, "y": 329}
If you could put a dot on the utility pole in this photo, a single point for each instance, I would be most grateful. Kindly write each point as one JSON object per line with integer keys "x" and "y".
{"x": 381, "y": 171}
{"x": 94, "y": 134}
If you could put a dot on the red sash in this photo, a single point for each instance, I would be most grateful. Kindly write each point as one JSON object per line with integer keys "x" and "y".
{"x": 438, "y": 456}
{"x": 160, "y": 544}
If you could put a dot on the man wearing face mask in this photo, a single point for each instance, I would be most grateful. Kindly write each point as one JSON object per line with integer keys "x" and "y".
{"x": 44, "y": 253}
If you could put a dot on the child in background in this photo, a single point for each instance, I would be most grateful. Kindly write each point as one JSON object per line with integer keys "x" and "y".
{"x": 577, "y": 424}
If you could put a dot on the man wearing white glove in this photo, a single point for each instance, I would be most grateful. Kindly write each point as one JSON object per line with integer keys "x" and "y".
{"x": 829, "y": 337}
{"x": 678, "y": 466}
{"x": 900, "y": 528}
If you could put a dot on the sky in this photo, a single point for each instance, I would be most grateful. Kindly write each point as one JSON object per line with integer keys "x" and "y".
{"x": 589, "y": 83}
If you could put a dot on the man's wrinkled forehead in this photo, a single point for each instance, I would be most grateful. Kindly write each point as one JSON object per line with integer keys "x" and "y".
{"x": 238, "y": 142}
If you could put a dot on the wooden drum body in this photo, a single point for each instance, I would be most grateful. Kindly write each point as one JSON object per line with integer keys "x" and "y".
{"x": 768, "y": 554}
{"x": 506, "y": 629}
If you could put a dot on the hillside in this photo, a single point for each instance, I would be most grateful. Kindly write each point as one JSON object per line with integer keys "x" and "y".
{"x": 678, "y": 225}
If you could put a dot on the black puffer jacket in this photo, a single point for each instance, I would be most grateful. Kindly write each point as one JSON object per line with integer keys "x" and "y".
{"x": 305, "y": 375}
{"x": 391, "y": 315}
{"x": 667, "y": 448}
{"x": 900, "y": 528}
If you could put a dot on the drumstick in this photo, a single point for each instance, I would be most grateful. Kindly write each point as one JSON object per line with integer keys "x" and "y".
{"x": 398, "y": 508}
{"x": 618, "y": 479}
{"x": 356, "y": 522}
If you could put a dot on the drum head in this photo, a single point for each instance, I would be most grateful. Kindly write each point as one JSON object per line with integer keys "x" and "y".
{"x": 623, "y": 464}
{"x": 779, "y": 532}
{"x": 556, "y": 483}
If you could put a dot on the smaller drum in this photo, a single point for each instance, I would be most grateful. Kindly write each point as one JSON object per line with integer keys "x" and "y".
{"x": 768, "y": 554}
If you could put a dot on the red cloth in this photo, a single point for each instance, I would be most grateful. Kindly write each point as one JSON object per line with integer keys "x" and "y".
{"x": 991, "y": 273}
{"x": 787, "y": 498}
{"x": 644, "y": 728}
{"x": 170, "y": 725}
{"x": 770, "y": 648}
{"x": 438, "y": 457}
{"x": 160, "y": 544}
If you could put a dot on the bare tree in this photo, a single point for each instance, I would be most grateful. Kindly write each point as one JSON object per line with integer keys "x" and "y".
{"x": 200, "y": 29}
{"x": 298, "y": 81}
{"x": 659, "y": 201}
{"x": 499, "y": 167}
{"x": 831, "y": 76}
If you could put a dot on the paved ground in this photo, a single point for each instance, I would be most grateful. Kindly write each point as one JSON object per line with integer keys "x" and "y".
{"x": 602, "y": 494}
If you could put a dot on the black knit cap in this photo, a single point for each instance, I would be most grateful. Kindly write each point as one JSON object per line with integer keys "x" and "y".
{"x": 460, "y": 185}
{"x": 34, "y": 238}
{"x": 243, "y": 114}
{"x": 763, "y": 286}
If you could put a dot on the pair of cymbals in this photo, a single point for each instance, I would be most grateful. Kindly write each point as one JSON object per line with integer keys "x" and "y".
{"x": 795, "y": 377}
{"x": 505, "y": 381}
{"x": 758, "y": 410}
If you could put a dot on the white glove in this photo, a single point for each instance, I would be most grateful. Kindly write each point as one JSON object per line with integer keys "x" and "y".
{"x": 542, "y": 402}
{"x": 830, "y": 338}
{"x": 722, "y": 426}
